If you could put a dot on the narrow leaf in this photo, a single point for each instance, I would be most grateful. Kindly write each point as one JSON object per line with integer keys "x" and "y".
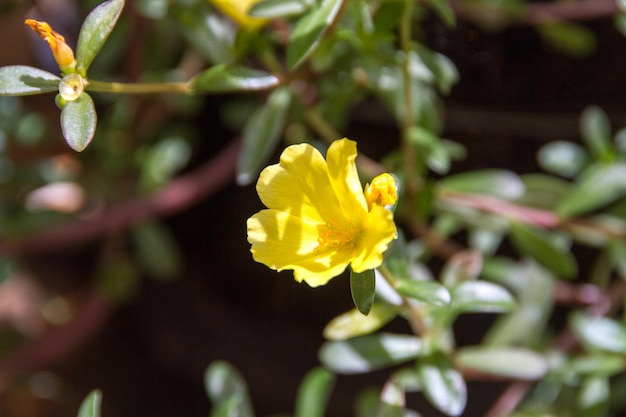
{"x": 90, "y": 406}
{"x": 261, "y": 135}
{"x": 481, "y": 297}
{"x": 496, "y": 182}
{"x": 595, "y": 129}
{"x": 368, "y": 353}
{"x": 309, "y": 31}
{"x": 598, "y": 185}
{"x": 313, "y": 393}
{"x": 427, "y": 291}
{"x": 78, "y": 122}
{"x": 22, "y": 80}
{"x": 354, "y": 323}
{"x": 272, "y": 9}
{"x": 541, "y": 246}
{"x": 506, "y": 362}
{"x": 363, "y": 288}
{"x": 227, "y": 390}
{"x": 600, "y": 333}
{"x": 94, "y": 32}
{"x": 225, "y": 78}
{"x": 443, "y": 385}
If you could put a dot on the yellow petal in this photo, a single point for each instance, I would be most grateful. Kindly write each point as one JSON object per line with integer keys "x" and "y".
{"x": 282, "y": 241}
{"x": 299, "y": 185}
{"x": 344, "y": 178}
{"x": 238, "y": 10}
{"x": 375, "y": 238}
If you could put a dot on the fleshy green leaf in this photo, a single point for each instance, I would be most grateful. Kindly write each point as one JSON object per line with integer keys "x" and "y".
{"x": 157, "y": 250}
{"x": 595, "y": 129}
{"x": 481, "y": 297}
{"x": 562, "y": 158}
{"x": 541, "y": 246}
{"x": 600, "y": 333}
{"x": 443, "y": 385}
{"x": 427, "y": 291}
{"x": 271, "y": 9}
{"x": 313, "y": 393}
{"x": 368, "y": 353}
{"x": 90, "y": 406}
{"x": 261, "y": 134}
{"x": 225, "y": 78}
{"x": 227, "y": 390}
{"x": 569, "y": 38}
{"x": 516, "y": 363}
{"x": 363, "y": 288}
{"x": 22, "y": 80}
{"x": 94, "y": 32}
{"x": 309, "y": 31}
{"x": 598, "y": 185}
{"x": 211, "y": 36}
{"x": 496, "y": 182}
{"x": 354, "y": 323}
{"x": 78, "y": 122}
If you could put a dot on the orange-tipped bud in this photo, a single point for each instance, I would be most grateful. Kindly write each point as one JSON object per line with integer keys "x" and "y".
{"x": 63, "y": 54}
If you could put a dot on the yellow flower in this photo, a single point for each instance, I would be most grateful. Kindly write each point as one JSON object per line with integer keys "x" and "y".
{"x": 63, "y": 54}
{"x": 317, "y": 221}
{"x": 238, "y": 11}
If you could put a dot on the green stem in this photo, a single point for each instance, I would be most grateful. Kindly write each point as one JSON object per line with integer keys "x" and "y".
{"x": 138, "y": 88}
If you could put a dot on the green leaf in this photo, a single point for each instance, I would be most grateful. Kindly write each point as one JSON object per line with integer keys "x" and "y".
{"x": 261, "y": 134}
{"x": 597, "y": 186}
{"x": 562, "y": 158}
{"x": 600, "y": 332}
{"x": 94, "y": 32}
{"x": 354, "y": 323}
{"x": 443, "y": 385}
{"x": 427, "y": 291}
{"x": 508, "y": 362}
{"x": 594, "y": 395}
{"x": 90, "y": 406}
{"x": 313, "y": 393}
{"x": 595, "y": 129}
{"x": 22, "y": 80}
{"x": 211, "y": 36}
{"x": 543, "y": 248}
{"x": 225, "y": 78}
{"x": 444, "y": 11}
{"x": 363, "y": 288}
{"x": 227, "y": 390}
{"x": 309, "y": 31}
{"x": 496, "y": 182}
{"x": 598, "y": 363}
{"x": 481, "y": 297}
{"x": 569, "y": 38}
{"x": 367, "y": 353}
{"x": 271, "y": 9}
{"x": 157, "y": 250}
{"x": 78, "y": 122}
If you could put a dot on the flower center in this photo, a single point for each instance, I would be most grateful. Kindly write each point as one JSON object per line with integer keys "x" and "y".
{"x": 335, "y": 235}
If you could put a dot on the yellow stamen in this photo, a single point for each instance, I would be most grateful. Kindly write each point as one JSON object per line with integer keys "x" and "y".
{"x": 63, "y": 54}
{"x": 382, "y": 191}
{"x": 335, "y": 235}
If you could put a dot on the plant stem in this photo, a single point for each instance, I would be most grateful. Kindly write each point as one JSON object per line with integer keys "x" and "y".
{"x": 418, "y": 326}
{"x": 138, "y": 88}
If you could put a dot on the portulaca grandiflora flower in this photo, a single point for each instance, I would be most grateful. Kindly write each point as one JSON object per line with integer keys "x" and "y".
{"x": 318, "y": 219}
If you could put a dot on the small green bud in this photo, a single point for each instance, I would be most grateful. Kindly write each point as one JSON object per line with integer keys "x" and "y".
{"x": 71, "y": 86}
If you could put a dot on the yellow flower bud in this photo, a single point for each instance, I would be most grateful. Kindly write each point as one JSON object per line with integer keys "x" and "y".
{"x": 382, "y": 191}
{"x": 63, "y": 54}
{"x": 238, "y": 10}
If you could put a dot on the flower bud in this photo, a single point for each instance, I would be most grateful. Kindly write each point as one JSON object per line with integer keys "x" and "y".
{"x": 71, "y": 87}
{"x": 63, "y": 54}
{"x": 382, "y": 191}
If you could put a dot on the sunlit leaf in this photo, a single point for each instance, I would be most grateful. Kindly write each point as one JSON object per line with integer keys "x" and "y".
{"x": 231, "y": 78}
{"x": 481, "y": 297}
{"x": 309, "y": 31}
{"x": 443, "y": 385}
{"x": 272, "y": 9}
{"x": 90, "y": 406}
{"x": 96, "y": 28}
{"x": 496, "y": 182}
{"x": 22, "y": 80}
{"x": 516, "y": 363}
{"x": 78, "y": 122}
{"x": 427, "y": 291}
{"x": 354, "y": 323}
{"x": 313, "y": 393}
{"x": 562, "y": 158}
{"x": 600, "y": 332}
{"x": 368, "y": 353}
